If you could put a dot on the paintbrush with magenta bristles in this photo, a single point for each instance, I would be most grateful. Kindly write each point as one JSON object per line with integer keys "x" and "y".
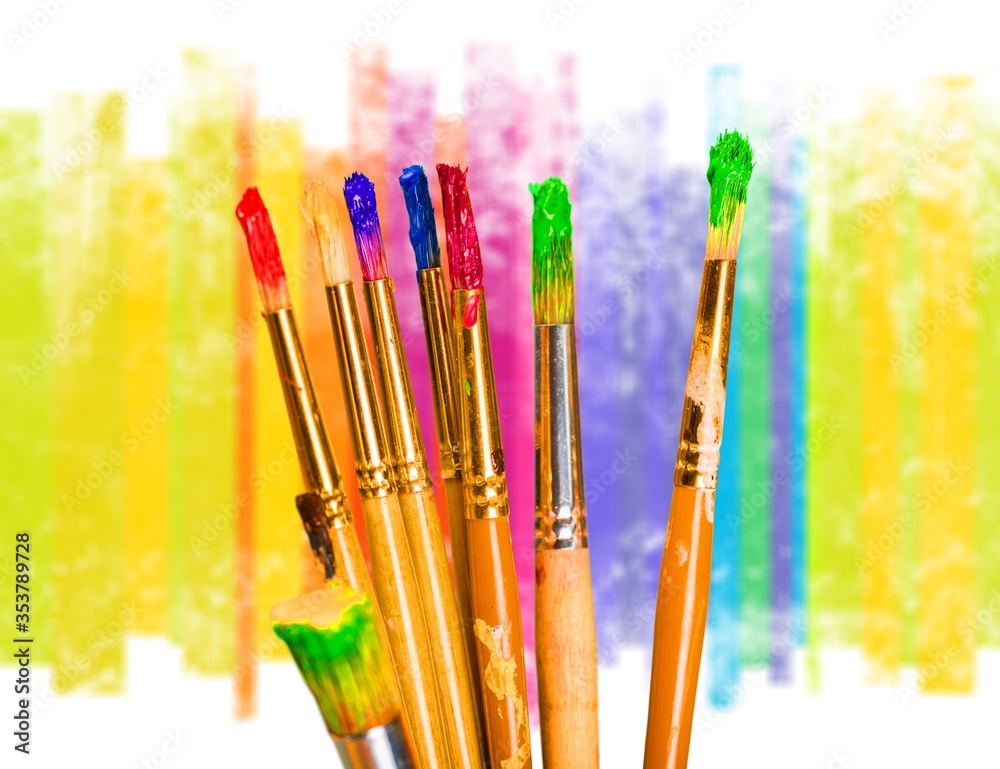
{"x": 565, "y": 634}
{"x": 682, "y": 596}
{"x": 393, "y": 570}
{"x": 333, "y": 636}
{"x": 408, "y": 459}
{"x": 436, "y": 311}
{"x": 493, "y": 588}
{"x": 323, "y": 507}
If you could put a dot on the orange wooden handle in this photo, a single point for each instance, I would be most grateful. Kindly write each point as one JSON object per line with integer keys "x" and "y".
{"x": 566, "y": 649}
{"x": 399, "y": 602}
{"x": 681, "y": 611}
{"x": 499, "y": 642}
{"x": 444, "y": 628}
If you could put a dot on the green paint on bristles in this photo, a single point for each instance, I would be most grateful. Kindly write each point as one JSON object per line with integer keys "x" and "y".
{"x": 334, "y": 640}
{"x": 552, "y": 253}
{"x": 730, "y": 163}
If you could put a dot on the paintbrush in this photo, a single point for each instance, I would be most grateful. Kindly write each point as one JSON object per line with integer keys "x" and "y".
{"x": 323, "y": 507}
{"x": 333, "y": 636}
{"x": 437, "y": 329}
{"x": 408, "y": 459}
{"x": 392, "y": 563}
{"x": 565, "y": 634}
{"x": 492, "y": 577}
{"x": 682, "y": 599}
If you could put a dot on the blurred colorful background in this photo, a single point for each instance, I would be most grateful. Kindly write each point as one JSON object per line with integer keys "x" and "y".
{"x": 856, "y": 569}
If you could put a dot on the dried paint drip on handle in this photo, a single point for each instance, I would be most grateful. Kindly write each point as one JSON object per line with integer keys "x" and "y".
{"x": 500, "y": 676}
{"x": 706, "y": 387}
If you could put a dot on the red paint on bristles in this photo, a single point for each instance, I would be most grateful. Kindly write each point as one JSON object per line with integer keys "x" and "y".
{"x": 264, "y": 253}
{"x": 462, "y": 240}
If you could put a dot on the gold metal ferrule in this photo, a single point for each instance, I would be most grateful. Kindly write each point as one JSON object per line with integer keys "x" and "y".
{"x": 367, "y": 433}
{"x": 560, "y": 512}
{"x": 318, "y": 463}
{"x": 407, "y": 455}
{"x": 705, "y": 397}
{"x": 479, "y": 417}
{"x": 437, "y": 326}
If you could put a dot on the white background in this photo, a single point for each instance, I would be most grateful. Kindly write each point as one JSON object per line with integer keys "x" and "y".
{"x": 297, "y": 47}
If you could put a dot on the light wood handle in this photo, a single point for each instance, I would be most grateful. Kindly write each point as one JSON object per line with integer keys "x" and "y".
{"x": 566, "y": 650}
{"x": 496, "y": 614}
{"x": 681, "y": 611}
{"x": 348, "y": 561}
{"x": 444, "y": 627}
{"x": 399, "y": 601}
{"x": 454, "y": 494}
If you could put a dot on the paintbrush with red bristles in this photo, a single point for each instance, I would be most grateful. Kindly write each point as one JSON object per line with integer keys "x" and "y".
{"x": 408, "y": 458}
{"x": 323, "y": 506}
{"x": 492, "y": 577}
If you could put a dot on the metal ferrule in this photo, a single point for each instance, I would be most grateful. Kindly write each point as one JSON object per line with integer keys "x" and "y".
{"x": 560, "y": 512}
{"x": 384, "y": 747}
{"x": 407, "y": 455}
{"x": 317, "y": 461}
{"x": 437, "y": 323}
{"x": 705, "y": 398}
{"x": 367, "y": 435}
{"x": 479, "y": 416}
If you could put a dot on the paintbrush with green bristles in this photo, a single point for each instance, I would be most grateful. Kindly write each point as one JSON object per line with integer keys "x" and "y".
{"x": 335, "y": 642}
{"x": 565, "y": 635}
{"x": 682, "y": 598}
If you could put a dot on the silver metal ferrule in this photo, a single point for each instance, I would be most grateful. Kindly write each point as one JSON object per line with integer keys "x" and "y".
{"x": 560, "y": 512}
{"x": 384, "y": 747}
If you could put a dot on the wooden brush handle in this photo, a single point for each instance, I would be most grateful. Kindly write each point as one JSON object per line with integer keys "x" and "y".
{"x": 496, "y": 614}
{"x": 444, "y": 627}
{"x": 348, "y": 561}
{"x": 566, "y": 650}
{"x": 681, "y": 611}
{"x": 454, "y": 494}
{"x": 399, "y": 602}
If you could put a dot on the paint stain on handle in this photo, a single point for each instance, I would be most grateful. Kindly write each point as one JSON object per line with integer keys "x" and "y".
{"x": 500, "y": 676}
